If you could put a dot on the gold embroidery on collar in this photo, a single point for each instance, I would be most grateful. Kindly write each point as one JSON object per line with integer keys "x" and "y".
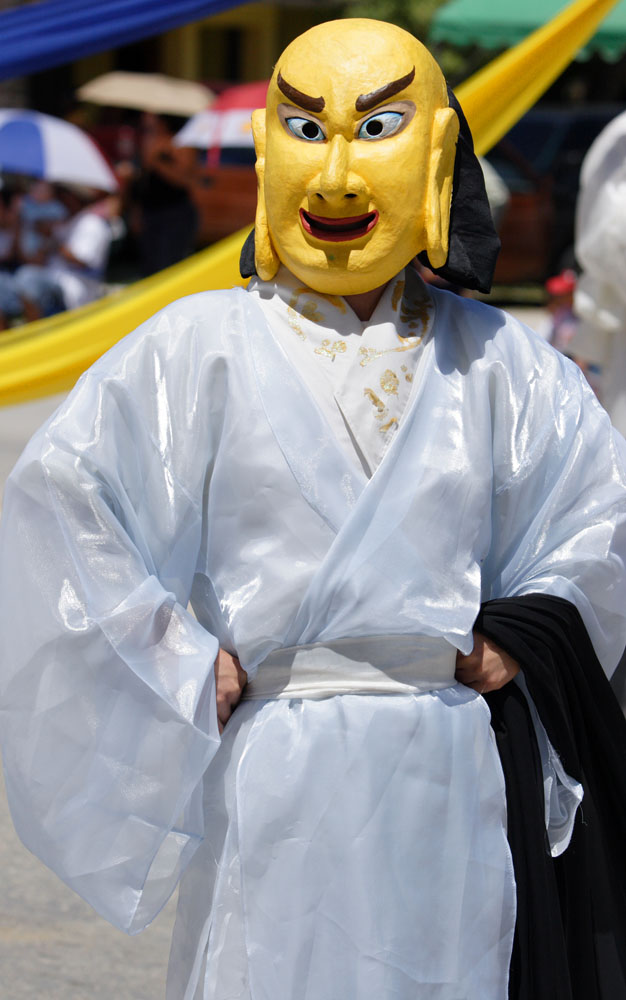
{"x": 381, "y": 411}
{"x": 331, "y": 350}
{"x": 337, "y": 302}
{"x": 308, "y": 311}
{"x": 292, "y": 316}
{"x": 397, "y": 294}
{"x": 389, "y": 382}
{"x": 371, "y": 354}
{"x": 408, "y": 343}
{"x": 416, "y": 314}
{"x": 408, "y": 376}
{"x": 390, "y": 423}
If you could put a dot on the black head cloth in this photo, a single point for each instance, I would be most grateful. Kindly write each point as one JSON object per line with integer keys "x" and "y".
{"x": 473, "y": 241}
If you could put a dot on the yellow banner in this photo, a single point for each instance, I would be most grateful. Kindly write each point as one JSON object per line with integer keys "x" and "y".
{"x": 47, "y": 357}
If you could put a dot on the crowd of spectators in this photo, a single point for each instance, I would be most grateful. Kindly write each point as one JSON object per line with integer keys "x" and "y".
{"x": 54, "y": 248}
{"x": 55, "y": 241}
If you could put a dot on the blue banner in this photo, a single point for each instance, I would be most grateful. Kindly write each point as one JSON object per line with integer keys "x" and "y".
{"x": 37, "y": 36}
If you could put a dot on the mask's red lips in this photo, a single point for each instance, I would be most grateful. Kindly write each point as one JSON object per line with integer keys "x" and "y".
{"x": 338, "y": 230}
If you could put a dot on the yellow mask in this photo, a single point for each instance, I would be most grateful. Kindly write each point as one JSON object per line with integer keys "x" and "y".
{"x": 355, "y": 156}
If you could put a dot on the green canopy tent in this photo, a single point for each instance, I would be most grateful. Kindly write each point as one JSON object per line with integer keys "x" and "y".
{"x": 499, "y": 24}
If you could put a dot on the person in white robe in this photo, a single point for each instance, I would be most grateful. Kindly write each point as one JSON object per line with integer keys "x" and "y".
{"x": 334, "y": 469}
{"x": 600, "y": 299}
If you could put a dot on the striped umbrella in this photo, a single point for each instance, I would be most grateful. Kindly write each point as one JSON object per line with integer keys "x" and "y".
{"x": 40, "y": 145}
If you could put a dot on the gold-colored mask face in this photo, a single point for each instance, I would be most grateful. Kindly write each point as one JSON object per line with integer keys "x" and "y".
{"x": 355, "y": 155}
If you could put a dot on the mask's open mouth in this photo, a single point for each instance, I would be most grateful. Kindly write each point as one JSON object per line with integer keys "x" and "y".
{"x": 338, "y": 230}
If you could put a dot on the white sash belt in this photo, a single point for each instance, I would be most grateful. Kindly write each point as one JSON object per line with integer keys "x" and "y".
{"x": 380, "y": 664}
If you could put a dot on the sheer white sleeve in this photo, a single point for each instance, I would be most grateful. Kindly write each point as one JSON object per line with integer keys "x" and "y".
{"x": 107, "y": 692}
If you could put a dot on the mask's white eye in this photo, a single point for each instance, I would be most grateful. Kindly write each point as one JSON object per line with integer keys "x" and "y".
{"x": 304, "y": 128}
{"x": 381, "y": 125}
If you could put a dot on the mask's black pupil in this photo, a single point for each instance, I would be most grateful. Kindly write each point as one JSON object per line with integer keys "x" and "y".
{"x": 310, "y": 130}
{"x": 374, "y": 127}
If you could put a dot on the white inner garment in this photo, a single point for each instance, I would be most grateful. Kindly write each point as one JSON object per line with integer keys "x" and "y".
{"x": 360, "y": 373}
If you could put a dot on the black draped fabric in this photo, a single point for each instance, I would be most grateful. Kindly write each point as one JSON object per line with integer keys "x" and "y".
{"x": 474, "y": 244}
{"x": 571, "y": 927}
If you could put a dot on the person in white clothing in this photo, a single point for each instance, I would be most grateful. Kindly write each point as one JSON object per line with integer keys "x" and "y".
{"x": 380, "y": 499}
{"x": 74, "y": 272}
{"x": 79, "y": 265}
{"x": 600, "y": 299}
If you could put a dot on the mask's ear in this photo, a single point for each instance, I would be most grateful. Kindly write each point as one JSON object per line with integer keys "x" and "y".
{"x": 265, "y": 257}
{"x": 439, "y": 190}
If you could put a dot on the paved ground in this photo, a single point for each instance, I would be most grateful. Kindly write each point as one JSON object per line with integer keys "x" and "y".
{"x": 52, "y": 945}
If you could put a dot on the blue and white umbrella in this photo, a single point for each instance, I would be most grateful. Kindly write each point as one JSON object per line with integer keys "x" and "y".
{"x": 40, "y": 145}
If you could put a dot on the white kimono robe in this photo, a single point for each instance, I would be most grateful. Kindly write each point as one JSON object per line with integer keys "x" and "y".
{"x": 333, "y": 847}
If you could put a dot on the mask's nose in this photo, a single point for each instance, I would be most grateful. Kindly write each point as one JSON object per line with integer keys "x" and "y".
{"x": 337, "y": 185}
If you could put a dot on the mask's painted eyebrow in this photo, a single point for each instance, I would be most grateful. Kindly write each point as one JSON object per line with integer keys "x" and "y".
{"x": 366, "y": 101}
{"x": 302, "y": 100}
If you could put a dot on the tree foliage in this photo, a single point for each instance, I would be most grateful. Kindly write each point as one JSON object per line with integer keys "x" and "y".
{"x": 415, "y": 16}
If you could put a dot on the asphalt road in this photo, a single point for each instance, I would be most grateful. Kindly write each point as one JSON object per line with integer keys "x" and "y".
{"x": 52, "y": 944}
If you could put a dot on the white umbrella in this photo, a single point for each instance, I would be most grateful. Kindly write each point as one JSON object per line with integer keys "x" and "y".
{"x": 217, "y": 128}
{"x": 154, "y": 92}
{"x": 43, "y": 146}
{"x": 228, "y": 123}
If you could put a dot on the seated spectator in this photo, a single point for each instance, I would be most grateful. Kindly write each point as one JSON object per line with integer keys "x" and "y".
{"x": 74, "y": 272}
{"x": 40, "y": 213}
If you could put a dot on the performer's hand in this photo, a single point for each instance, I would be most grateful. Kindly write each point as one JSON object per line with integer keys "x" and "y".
{"x": 230, "y": 680}
{"x": 487, "y": 667}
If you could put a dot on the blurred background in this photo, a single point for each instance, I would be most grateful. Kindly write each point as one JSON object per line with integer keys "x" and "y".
{"x": 178, "y": 193}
